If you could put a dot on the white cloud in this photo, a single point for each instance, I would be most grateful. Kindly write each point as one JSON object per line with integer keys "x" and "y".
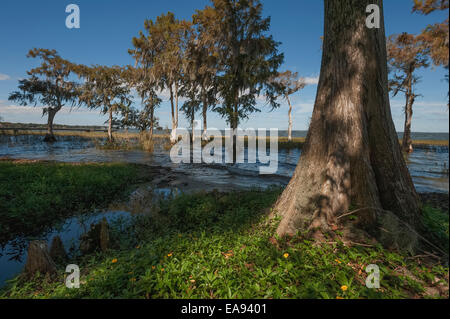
{"x": 311, "y": 80}
{"x": 429, "y": 104}
{"x": 4, "y": 77}
{"x": 303, "y": 108}
{"x": 18, "y": 109}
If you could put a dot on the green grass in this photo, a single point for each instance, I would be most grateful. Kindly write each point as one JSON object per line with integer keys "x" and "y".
{"x": 36, "y": 196}
{"x": 438, "y": 225}
{"x": 221, "y": 246}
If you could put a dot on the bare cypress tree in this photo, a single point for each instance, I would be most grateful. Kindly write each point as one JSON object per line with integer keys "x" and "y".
{"x": 351, "y": 157}
{"x": 289, "y": 83}
{"x": 48, "y": 85}
{"x": 405, "y": 56}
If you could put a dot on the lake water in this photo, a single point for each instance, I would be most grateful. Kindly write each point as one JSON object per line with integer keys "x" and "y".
{"x": 428, "y": 166}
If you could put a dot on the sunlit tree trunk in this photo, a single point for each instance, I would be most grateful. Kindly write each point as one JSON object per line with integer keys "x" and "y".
{"x": 234, "y": 126}
{"x": 176, "y": 108}
{"x": 110, "y": 137}
{"x": 205, "y": 110}
{"x": 173, "y": 134}
{"x": 351, "y": 158}
{"x": 407, "y": 141}
{"x": 290, "y": 119}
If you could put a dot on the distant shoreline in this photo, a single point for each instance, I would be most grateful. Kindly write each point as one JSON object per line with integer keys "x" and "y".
{"x": 5, "y": 125}
{"x": 87, "y": 131}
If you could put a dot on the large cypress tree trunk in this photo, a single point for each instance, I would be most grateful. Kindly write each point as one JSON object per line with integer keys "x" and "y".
{"x": 351, "y": 156}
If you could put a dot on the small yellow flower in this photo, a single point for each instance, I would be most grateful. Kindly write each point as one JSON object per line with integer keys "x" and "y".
{"x": 114, "y": 260}
{"x": 344, "y": 288}
{"x": 192, "y": 280}
{"x": 286, "y": 255}
{"x": 169, "y": 255}
{"x": 153, "y": 267}
{"x": 338, "y": 261}
{"x": 339, "y": 297}
{"x": 162, "y": 269}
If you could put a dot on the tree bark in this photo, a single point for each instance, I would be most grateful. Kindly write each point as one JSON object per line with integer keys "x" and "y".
{"x": 351, "y": 156}
{"x": 407, "y": 141}
{"x": 290, "y": 119}
{"x": 173, "y": 134}
{"x": 39, "y": 260}
{"x": 205, "y": 110}
{"x": 110, "y": 137}
{"x": 234, "y": 125}
{"x": 176, "y": 104}
{"x": 50, "y": 137}
{"x": 126, "y": 121}
{"x": 152, "y": 122}
{"x": 57, "y": 251}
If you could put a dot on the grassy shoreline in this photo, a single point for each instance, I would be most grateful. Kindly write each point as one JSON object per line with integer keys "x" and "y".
{"x": 221, "y": 245}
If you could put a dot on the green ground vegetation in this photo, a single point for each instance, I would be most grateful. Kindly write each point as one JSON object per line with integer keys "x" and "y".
{"x": 36, "y": 196}
{"x": 221, "y": 245}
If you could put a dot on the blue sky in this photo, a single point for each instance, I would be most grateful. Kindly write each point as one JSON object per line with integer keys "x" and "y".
{"x": 107, "y": 28}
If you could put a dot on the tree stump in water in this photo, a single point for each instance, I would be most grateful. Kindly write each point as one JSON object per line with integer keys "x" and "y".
{"x": 38, "y": 259}
{"x": 104, "y": 235}
{"x": 97, "y": 238}
{"x": 57, "y": 251}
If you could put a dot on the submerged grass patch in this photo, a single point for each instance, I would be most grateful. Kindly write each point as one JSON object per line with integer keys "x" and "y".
{"x": 221, "y": 245}
{"x": 35, "y": 196}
